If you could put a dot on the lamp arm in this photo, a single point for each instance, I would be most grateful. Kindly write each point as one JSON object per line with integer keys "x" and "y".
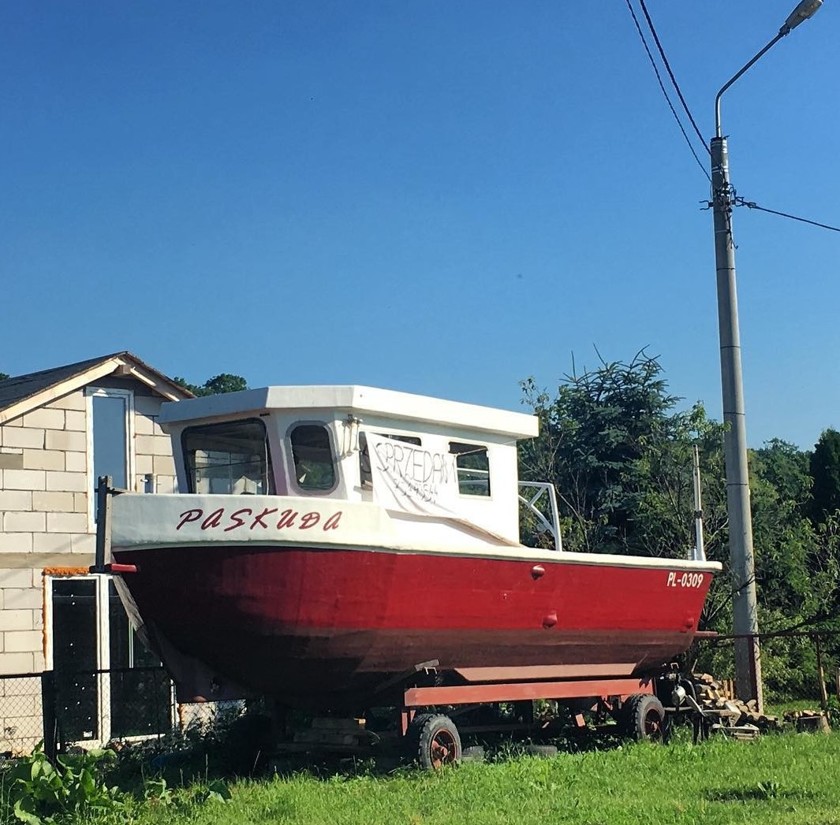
{"x": 748, "y": 66}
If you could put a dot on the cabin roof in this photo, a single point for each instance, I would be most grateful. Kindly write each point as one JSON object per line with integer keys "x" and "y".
{"x": 356, "y": 400}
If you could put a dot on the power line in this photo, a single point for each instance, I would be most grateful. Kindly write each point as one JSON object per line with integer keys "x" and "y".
{"x": 739, "y": 201}
{"x": 665, "y": 93}
{"x": 671, "y": 74}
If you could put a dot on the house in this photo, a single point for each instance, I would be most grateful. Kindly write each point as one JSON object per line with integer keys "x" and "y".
{"x": 60, "y": 430}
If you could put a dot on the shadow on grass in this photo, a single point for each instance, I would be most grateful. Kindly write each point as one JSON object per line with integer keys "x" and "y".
{"x": 762, "y": 792}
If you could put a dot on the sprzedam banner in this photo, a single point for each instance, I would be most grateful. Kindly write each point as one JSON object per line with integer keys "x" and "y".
{"x": 409, "y": 478}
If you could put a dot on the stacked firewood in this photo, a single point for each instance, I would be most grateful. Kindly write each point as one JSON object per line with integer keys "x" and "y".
{"x": 717, "y": 698}
{"x": 809, "y": 721}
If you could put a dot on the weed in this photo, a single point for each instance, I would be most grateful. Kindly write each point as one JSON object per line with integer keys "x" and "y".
{"x": 36, "y": 792}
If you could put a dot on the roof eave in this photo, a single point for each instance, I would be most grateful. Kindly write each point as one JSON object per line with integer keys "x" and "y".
{"x": 132, "y": 367}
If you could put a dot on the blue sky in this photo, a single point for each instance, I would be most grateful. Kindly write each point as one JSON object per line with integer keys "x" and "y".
{"x": 437, "y": 197}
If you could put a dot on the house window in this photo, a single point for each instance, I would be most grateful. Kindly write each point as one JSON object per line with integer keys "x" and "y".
{"x": 473, "y": 468}
{"x": 313, "y": 457}
{"x": 231, "y": 458}
{"x": 110, "y": 438}
{"x": 107, "y": 684}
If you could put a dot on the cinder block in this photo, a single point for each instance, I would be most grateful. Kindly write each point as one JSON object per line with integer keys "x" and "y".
{"x": 51, "y": 543}
{"x": 24, "y": 437}
{"x": 43, "y": 459}
{"x": 67, "y": 522}
{"x": 164, "y": 465}
{"x": 166, "y": 484}
{"x": 144, "y": 444}
{"x": 15, "y": 500}
{"x": 75, "y": 421}
{"x": 16, "y": 578}
{"x": 18, "y": 619}
{"x": 80, "y": 503}
{"x": 66, "y": 440}
{"x": 23, "y": 599}
{"x": 84, "y": 545}
{"x": 10, "y": 460}
{"x": 24, "y": 479}
{"x": 75, "y": 462}
{"x": 153, "y": 445}
{"x": 29, "y": 522}
{"x": 158, "y": 430}
{"x": 143, "y": 425}
{"x": 72, "y": 401}
{"x": 16, "y": 663}
{"x": 15, "y": 542}
{"x": 46, "y": 418}
{"x": 22, "y": 641}
{"x": 66, "y": 482}
{"x": 54, "y": 502}
{"x": 143, "y": 464}
{"x": 147, "y": 405}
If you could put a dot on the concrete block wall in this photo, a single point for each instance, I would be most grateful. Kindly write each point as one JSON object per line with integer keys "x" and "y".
{"x": 21, "y": 719}
{"x": 45, "y": 483}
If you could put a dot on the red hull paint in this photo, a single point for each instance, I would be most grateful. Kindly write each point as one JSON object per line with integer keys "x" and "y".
{"x": 327, "y": 627}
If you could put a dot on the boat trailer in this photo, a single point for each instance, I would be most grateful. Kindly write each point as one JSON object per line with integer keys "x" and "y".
{"x": 434, "y": 715}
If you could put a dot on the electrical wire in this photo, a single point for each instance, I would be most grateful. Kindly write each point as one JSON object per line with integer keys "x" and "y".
{"x": 738, "y": 201}
{"x": 665, "y": 93}
{"x": 753, "y": 205}
{"x": 671, "y": 74}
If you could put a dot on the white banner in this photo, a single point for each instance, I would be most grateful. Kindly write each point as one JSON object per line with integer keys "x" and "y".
{"x": 410, "y": 478}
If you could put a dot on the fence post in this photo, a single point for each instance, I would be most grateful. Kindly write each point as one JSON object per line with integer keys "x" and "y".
{"x": 48, "y": 714}
{"x": 821, "y": 673}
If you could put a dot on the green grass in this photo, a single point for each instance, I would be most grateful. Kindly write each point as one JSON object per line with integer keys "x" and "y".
{"x": 792, "y": 779}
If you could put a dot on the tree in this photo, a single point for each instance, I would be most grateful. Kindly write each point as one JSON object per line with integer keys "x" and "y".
{"x": 4, "y": 376}
{"x": 222, "y": 383}
{"x": 620, "y": 458}
{"x": 825, "y": 473}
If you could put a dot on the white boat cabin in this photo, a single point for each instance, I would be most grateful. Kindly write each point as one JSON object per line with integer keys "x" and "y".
{"x": 421, "y": 459}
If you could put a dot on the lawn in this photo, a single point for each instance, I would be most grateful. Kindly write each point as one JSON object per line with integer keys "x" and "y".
{"x": 783, "y": 778}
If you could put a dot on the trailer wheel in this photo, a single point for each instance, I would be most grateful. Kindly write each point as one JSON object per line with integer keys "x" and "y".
{"x": 645, "y": 717}
{"x": 435, "y": 741}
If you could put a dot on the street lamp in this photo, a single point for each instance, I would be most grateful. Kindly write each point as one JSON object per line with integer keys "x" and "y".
{"x": 745, "y": 618}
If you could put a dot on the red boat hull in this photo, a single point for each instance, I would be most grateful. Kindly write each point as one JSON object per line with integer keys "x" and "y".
{"x": 330, "y": 627}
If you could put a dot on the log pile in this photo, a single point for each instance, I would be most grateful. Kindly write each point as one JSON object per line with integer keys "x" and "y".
{"x": 717, "y": 699}
{"x": 809, "y": 721}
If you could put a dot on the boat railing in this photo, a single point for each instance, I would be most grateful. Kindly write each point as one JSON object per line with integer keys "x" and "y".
{"x": 537, "y": 497}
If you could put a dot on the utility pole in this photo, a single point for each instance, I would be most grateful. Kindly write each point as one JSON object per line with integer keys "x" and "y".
{"x": 745, "y": 609}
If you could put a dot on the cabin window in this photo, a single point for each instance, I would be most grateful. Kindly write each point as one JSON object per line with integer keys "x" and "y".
{"x": 313, "y": 457}
{"x": 365, "y": 474}
{"x": 231, "y": 458}
{"x": 473, "y": 468}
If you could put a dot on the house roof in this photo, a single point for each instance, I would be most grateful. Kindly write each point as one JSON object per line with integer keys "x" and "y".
{"x": 21, "y": 394}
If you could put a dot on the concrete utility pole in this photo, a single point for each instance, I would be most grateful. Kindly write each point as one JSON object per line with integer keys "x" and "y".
{"x": 745, "y": 621}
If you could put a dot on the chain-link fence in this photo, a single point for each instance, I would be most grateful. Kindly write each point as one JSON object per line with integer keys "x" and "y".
{"x": 103, "y": 705}
{"x": 795, "y": 664}
{"x": 21, "y": 713}
{"x": 94, "y": 707}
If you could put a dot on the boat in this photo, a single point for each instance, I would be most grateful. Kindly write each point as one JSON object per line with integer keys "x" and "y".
{"x": 330, "y": 540}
